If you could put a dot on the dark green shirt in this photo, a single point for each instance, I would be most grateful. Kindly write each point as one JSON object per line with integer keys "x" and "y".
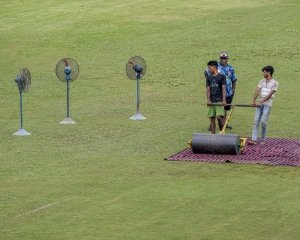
{"x": 215, "y": 83}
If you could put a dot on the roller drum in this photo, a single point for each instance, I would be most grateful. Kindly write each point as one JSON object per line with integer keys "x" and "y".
{"x": 216, "y": 143}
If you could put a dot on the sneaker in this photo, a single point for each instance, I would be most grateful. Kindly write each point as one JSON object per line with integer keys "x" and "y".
{"x": 262, "y": 143}
{"x": 251, "y": 142}
{"x": 209, "y": 128}
{"x": 228, "y": 127}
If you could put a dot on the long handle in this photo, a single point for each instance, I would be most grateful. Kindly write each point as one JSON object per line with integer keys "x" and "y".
{"x": 237, "y": 105}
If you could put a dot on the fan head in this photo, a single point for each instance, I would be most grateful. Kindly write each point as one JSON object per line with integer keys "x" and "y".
{"x": 23, "y": 80}
{"x": 67, "y": 69}
{"x": 136, "y": 67}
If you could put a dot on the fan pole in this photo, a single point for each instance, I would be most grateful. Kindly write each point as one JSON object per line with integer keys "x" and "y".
{"x": 22, "y": 131}
{"x": 68, "y": 120}
{"x": 68, "y": 100}
{"x": 21, "y": 110}
{"x": 137, "y": 95}
{"x": 137, "y": 115}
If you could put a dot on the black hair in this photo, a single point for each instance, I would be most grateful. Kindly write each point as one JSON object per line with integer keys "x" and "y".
{"x": 213, "y": 63}
{"x": 269, "y": 69}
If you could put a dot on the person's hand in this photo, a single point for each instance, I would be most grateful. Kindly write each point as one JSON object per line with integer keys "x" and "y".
{"x": 209, "y": 103}
{"x": 224, "y": 103}
{"x": 252, "y": 104}
{"x": 258, "y": 104}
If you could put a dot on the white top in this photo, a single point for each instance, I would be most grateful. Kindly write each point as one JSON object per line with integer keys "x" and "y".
{"x": 265, "y": 88}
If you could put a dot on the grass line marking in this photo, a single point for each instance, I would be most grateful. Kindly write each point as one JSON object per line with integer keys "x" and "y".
{"x": 46, "y": 206}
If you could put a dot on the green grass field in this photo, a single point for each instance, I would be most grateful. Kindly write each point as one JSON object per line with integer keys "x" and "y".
{"x": 105, "y": 177}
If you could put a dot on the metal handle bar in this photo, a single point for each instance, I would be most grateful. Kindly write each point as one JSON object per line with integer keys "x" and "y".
{"x": 234, "y": 105}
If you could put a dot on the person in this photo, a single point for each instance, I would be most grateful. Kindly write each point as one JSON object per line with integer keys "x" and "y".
{"x": 266, "y": 88}
{"x": 216, "y": 94}
{"x": 229, "y": 72}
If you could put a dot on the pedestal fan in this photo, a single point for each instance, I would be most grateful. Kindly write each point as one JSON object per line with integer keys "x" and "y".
{"x": 23, "y": 81}
{"x": 67, "y": 70}
{"x": 135, "y": 70}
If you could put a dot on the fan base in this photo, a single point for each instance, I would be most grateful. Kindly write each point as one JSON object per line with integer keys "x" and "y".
{"x": 67, "y": 121}
{"x": 137, "y": 116}
{"x": 21, "y": 132}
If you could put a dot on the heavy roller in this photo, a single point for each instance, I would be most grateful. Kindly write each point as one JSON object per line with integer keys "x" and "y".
{"x": 220, "y": 143}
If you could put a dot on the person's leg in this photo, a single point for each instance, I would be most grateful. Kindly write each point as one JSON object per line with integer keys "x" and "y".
{"x": 226, "y": 109}
{"x": 211, "y": 114}
{"x": 213, "y": 125}
{"x": 257, "y": 117}
{"x": 225, "y": 116}
{"x": 264, "y": 120}
{"x": 220, "y": 122}
{"x": 220, "y": 116}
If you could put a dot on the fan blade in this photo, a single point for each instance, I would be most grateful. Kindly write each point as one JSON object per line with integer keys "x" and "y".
{"x": 25, "y": 87}
{"x": 67, "y": 64}
{"x": 135, "y": 65}
{"x": 23, "y": 80}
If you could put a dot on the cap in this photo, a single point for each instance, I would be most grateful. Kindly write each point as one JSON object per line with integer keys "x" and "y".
{"x": 224, "y": 55}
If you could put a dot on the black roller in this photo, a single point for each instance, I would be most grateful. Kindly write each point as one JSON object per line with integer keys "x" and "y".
{"x": 216, "y": 143}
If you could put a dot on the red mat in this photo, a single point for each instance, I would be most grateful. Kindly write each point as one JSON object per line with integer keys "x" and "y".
{"x": 276, "y": 152}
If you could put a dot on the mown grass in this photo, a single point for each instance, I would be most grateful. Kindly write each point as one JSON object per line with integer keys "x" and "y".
{"x": 105, "y": 177}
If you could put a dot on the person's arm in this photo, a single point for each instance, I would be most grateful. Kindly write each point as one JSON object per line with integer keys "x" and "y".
{"x": 266, "y": 98}
{"x": 233, "y": 87}
{"x": 255, "y": 96}
{"x": 233, "y": 79}
{"x": 224, "y": 90}
{"x": 224, "y": 95}
{"x": 273, "y": 90}
{"x": 209, "y": 103}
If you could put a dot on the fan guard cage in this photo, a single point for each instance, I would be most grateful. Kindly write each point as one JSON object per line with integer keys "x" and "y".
{"x": 135, "y": 63}
{"x": 60, "y": 69}
{"x": 23, "y": 80}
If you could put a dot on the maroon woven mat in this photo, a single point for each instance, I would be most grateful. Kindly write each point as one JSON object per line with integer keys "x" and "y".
{"x": 276, "y": 152}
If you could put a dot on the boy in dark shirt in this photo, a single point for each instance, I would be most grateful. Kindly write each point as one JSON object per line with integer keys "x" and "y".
{"x": 216, "y": 94}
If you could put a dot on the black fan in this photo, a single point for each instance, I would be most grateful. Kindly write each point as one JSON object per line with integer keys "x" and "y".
{"x": 67, "y": 70}
{"x": 135, "y": 70}
{"x": 23, "y": 81}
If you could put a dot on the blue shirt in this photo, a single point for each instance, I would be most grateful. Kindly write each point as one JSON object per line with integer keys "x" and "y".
{"x": 229, "y": 73}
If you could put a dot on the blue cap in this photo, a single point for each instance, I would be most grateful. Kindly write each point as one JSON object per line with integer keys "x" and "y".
{"x": 224, "y": 55}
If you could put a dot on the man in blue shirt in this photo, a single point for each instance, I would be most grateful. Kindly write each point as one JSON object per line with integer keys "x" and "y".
{"x": 227, "y": 70}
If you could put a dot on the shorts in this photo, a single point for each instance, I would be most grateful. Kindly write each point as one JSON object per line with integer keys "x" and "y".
{"x": 228, "y": 101}
{"x": 213, "y": 111}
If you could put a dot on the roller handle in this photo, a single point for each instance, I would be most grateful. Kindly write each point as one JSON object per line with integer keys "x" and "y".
{"x": 237, "y": 105}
